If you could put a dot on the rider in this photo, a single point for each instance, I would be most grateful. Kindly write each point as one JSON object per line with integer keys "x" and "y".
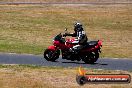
{"x": 80, "y": 35}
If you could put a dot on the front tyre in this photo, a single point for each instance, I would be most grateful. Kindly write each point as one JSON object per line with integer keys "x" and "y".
{"x": 51, "y": 55}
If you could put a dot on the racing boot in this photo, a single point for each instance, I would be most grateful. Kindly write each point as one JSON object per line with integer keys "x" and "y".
{"x": 72, "y": 50}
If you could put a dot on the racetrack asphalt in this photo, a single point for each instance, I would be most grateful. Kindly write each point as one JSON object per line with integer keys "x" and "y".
{"x": 102, "y": 63}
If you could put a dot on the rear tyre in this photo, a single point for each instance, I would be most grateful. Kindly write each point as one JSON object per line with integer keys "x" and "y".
{"x": 51, "y": 55}
{"x": 92, "y": 58}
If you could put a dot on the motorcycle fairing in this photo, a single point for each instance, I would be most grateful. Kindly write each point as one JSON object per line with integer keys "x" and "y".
{"x": 52, "y": 47}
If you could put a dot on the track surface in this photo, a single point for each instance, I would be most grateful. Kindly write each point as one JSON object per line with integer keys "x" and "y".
{"x": 102, "y": 63}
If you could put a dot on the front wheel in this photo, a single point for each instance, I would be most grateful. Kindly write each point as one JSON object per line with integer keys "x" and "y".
{"x": 51, "y": 55}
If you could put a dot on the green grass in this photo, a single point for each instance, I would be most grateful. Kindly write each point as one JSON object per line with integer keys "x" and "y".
{"x": 20, "y": 48}
{"x": 30, "y": 28}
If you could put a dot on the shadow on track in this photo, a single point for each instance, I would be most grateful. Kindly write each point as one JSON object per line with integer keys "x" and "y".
{"x": 85, "y": 63}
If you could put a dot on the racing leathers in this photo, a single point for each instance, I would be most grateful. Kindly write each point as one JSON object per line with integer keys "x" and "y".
{"x": 81, "y": 39}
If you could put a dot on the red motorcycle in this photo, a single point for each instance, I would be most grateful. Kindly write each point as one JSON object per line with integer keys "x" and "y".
{"x": 89, "y": 53}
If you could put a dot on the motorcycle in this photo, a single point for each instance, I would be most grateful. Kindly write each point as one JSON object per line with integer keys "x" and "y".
{"x": 89, "y": 53}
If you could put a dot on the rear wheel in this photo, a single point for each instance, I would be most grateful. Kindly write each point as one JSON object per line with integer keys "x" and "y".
{"x": 51, "y": 55}
{"x": 91, "y": 58}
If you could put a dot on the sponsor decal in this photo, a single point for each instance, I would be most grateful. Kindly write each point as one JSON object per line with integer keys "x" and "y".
{"x": 83, "y": 78}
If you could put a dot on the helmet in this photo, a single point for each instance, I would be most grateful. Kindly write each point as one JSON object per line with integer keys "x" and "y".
{"x": 77, "y": 26}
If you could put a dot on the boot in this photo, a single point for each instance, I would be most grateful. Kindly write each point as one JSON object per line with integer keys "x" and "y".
{"x": 75, "y": 51}
{"x": 71, "y": 50}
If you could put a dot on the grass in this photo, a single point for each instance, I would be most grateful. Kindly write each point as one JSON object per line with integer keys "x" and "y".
{"x": 28, "y": 76}
{"x": 66, "y": 1}
{"x": 30, "y": 28}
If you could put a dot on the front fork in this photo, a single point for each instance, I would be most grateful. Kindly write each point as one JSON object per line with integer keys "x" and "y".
{"x": 56, "y": 51}
{"x": 99, "y": 50}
